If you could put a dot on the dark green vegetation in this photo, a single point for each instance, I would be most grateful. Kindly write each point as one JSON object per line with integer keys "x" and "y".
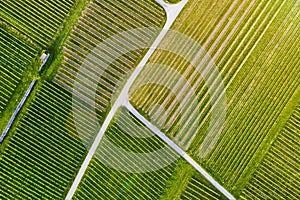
{"x": 122, "y": 167}
{"x": 199, "y": 188}
{"x": 172, "y": 1}
{"x": 100, "y": 21}
{"x": 278, "y": 174}
{"x": 126, "y": 181}
{"x": 179, "y": 180}
{"x": 255, "y": 45}
{"x": 43, "y": 152}
{"x": 187, "y": 183}
{"x": 16, "y": 56}
{"x": 37, "y": 20}
{"x": 18, "y": 33}
{"x": 42, "y": 157}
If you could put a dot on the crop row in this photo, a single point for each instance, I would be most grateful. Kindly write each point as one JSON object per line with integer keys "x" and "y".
{"x": 44, "y": 154}
{"x": 39, "y": 20}
{"x": 122, "y": 178}
{"x": 256, "y": 100}
{"x": 16, "y": 56}
{"x": 102, "y": 20}
{"x": 197, "y": 189}
{"x": 168, "y": 81}
{"x": 192, "y": 77}
{"x": 276, "y": 177}
{"x": 273, "y": 88}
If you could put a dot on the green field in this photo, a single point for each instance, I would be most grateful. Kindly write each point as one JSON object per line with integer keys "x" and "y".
{"x": 252, "y": 46}
{"x": 115, "y": 173}
{"x": 37, "y": 20}
{"x": 95, "y": 26}
{"x": 124, "y": 177}
{"x": 24, "y": 37}
{"x": 16, "y": 56}
{"x": 199, "y": 189}
{"x": 256, "y": 54}
{"x": 44, "y": 145}
{"x": 42, "y": 157}
{"x": 278, "y": 174}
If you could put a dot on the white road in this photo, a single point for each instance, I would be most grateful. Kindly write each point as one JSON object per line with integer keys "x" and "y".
{"x": 176, "y": 148}
{"x": 122, "y": 100}
{"x": 172, "y": 13}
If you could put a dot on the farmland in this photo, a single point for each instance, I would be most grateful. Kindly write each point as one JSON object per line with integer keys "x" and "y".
{"x": 199, "y": 189}
{"x": 213, "y": 111}
{"x": 256, "y": 54}
{"x": 37, "y": 20}
{"x": 123, "y": 177}
{"x": 96, "y": 25}
{"x": 27, "y": 29}
{"x": 44, "y": 151}
{"x": 41, "y": 158}
{"x": 16, "y": 57}
{"x": 278, "y": 174}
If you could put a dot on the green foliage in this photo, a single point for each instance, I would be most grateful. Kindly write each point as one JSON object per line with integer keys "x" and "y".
{"x": 200, "y": 188}
{"x": 103, "y": 181}
{"x": 102, "y": 20}
{"x": 37, "y": 21}
{"x": 172, "y": 1}
{"x": 280, "y": 166}
{"x": 16, "y": 56}
{"x": 178, "y": 181}
{"x": 44, "y": 154}
{"x": 255, "y": 47}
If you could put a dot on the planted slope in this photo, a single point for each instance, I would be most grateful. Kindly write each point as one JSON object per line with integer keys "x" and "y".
{"x": 102, "y": 20}
{"x": 277, "y": 177}
{"x": 16, "y": 55}
{"x": 256, "y": 53}
{"x": 43, "y": 155}
{"x": 116, "y": 170}
{"x": 198, "y": 188}
{"x": 45, "y": 152}
{"x": 38, "y": 20}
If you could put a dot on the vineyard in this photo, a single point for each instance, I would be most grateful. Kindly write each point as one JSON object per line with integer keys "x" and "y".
{"x": 198, "y": 189}
{"x": 256, "y": 54}
{"x": 278, "y": 174}
{"x": 16, "y": 57}
{"x": 38, "y": 20}
{"x": 42, "y": 157}
{"x": 116, "y": 174}
{"x": 213, "y": 114}
{"x": 100, "y": 21}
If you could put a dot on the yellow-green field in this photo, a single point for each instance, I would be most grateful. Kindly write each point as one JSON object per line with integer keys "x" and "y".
{"x": 255, "y": 45}
{"x": 234, "y": 108}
